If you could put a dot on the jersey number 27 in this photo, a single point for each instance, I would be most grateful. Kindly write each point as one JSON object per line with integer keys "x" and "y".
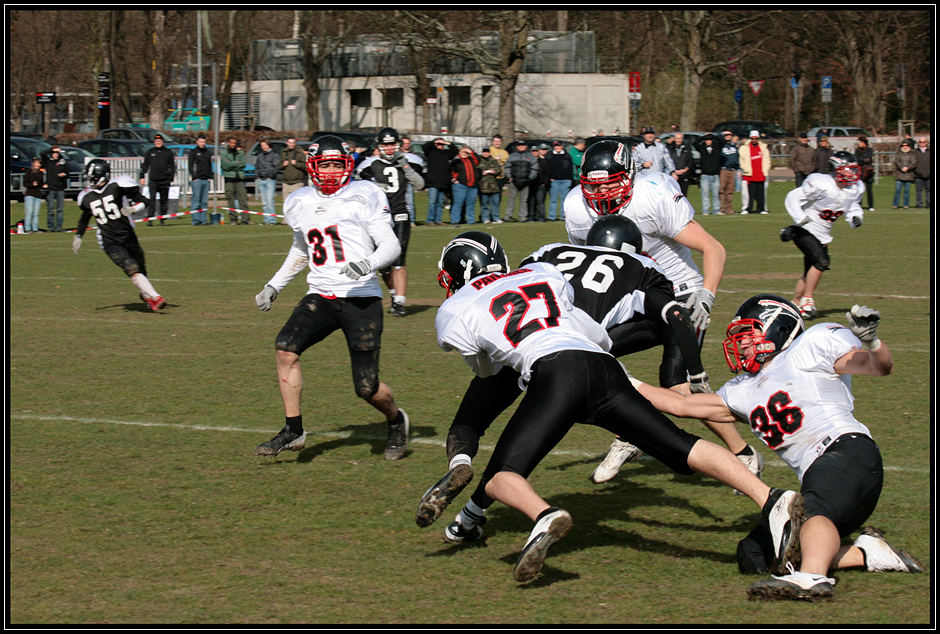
{"x": 517, "y": 304}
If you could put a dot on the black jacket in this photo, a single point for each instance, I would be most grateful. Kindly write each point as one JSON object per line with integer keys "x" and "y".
{"x": 682, "y": 157}
{"x": 710, "y": 162}
{"x": 160, "y": 163}
{"x": 438, "y": 165}
{"x": 200, "y": 163}
{"x": 53, "y": 168}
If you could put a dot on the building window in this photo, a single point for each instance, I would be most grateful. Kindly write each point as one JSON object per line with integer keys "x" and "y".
{"x": 394, "y": 97}
{"x": 361, "y": 98}
{"x": 458, "y": 95}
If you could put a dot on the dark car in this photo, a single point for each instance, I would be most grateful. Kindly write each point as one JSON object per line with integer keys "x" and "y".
{"x": 354, "y": 139}
{"x": 743, "y": 127}
{"x": 22, "y": 152}
{"x": 116, "y": 147}
{"x": 278, "y": 146}
{"x": 629, "y": 141}
{"x": 134, "y": 134}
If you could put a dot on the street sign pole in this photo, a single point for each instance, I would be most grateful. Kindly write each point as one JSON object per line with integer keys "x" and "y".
{"x": 826, "y": 84}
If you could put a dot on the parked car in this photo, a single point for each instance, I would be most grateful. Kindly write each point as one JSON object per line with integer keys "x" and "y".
{"x": 135, "y": 134}
{"x": 116, "y": 147}
{"x": 31, "y": 135}
{"x": 840, "y": 131}
{"x": 743, "y": 127}
{"x": 77, "y": 154}
{"x": 182, "y": 149}
{"x": 243, "y": 128}
{"x": 353, "y": 138}
{"x": 22, "y": 152}
{"x": 277, "y": 145}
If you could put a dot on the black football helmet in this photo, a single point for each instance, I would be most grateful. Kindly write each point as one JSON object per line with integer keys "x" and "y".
{"x": 607, "y": 173}
{"x": 769, "y": 324}
{"x": 97, "y": 173}
{"x": 616, "y": 232}
{"x": 388, "y": 136}
{"x": 470, "y": 254}
{"x": 329, "y": 149}
{"x": 845, "y": 167}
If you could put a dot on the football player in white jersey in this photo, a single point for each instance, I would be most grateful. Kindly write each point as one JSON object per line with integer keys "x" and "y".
{"x": 393, "y": 170}
{"x": 526, "y": 320}
{"x": 112, "y": 202}
{"x": 796, "y": 395}
{"x": 343, "y": 231}
{"x": 610, "y": 185}
{"x": 814, "y": 207}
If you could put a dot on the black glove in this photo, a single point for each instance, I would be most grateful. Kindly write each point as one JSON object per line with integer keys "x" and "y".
{"x": 788, "y": 233}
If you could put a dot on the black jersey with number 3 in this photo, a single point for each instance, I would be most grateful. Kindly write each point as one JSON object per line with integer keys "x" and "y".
{"x": 105, "y": 205}
{"x": 610, "y": 286}
{"x": 392, "y": 181}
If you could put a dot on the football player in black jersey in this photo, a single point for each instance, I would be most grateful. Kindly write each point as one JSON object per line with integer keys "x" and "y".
{"x": 112, "y": 202}
{"x": 393, "y": 170}
{"x": 612, "y": 286}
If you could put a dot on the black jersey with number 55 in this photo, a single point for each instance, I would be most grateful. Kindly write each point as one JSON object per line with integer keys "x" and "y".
{"x": 611, "y": 286}
{"x": 105, "y": 205}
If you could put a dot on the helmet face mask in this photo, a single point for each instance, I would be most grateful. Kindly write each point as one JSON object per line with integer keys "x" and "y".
{"x": 97, "y": 173}
{"x": 607, "y": 173}
{"x": 469, "y": 255}
{"x": 845, "y": 167}
{"x": 330, "y": 164}
{"x": 763, "y": 326}
{"x": 388, "y": 141}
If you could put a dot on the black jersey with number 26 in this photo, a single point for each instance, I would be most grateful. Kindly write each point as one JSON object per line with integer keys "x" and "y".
{"x": 610, "y": 286}
{"x": 105, "y": 205}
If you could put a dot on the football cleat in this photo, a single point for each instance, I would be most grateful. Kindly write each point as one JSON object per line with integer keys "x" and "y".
{"x": 548, "y": 530}
{"x": 807, "y": 307}
{"x": 795, "y": 585}
{"x": 397, "y": 309}
{"x": 620, "y": 453}
{"x": 754, "y": 464}
{"x": 397, "y": 442}
{"x": 155, "y": 303}
{"x": 457, "y": 533}
{"x": 880, "y": 556}
{"x": 784, "y": 512}
{"x": 442, "y": 493}
{"x": 285, "y": 439}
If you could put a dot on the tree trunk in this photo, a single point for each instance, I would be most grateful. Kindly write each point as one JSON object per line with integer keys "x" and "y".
{"x": 507, "y": 106}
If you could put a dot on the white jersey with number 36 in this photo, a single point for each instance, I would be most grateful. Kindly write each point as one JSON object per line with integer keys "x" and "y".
{"x": 798, "y": 405}
{"x": 515, "y": 319}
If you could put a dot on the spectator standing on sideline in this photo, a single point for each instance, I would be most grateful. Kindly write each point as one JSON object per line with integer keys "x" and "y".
{"x": 822, "y": 153}
{"x": 490, "y": 175}
{"x": 56, "y": 167}
{"x": 866, "y": 162}
{"x": 343, "y": 289}
{"x": 266, "y": 171}
{"x": 802, "y": 159}
{"x": 577, "y": 154}
{"x": 710, "y": 164}
{"x": 409, "y": 188}
{"x": 160, "y": 166}
{"x": 905, "y": 162}
{"x": 466, "y": 176}
{"x": 438, "y": 153}
{"x": 755, "y": 164}
{"x": 681, "y": 155}
{"x": 730, "y": 164}
{"x": 501, "y": 155}
{"x": 922, "y": 172}
{"x": 559, "y": 168}
{"x": 538, "y": 188}
{"x": 32, "y": 197}
{"x": 294, "y": 167}
{"x": 200, "y": 174}
{"x": 822, "y": 133}
{"x": 233, "y": 173}
{"x": 521, "y": 169}
{"x": 652, "y": 156}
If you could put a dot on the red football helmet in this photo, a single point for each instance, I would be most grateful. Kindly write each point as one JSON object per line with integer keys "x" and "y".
{"x": 607, "y": 173}
{"x": 330, "y": 149}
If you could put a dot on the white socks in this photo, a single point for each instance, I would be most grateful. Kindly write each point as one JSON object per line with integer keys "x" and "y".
{"x": 140, "y": 281}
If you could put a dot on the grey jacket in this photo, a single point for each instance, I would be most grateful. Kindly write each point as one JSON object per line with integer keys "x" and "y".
{"x": 266, "y": 164}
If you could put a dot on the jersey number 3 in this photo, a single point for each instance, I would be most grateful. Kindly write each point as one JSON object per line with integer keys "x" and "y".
{"x": 777, "y": 419}
{"x": 517, "y": 304}
{"x": 316, "y": 239}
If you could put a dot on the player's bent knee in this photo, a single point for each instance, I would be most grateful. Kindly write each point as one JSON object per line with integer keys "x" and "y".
{"x": 367, "y": 386}
{"x": 821, "y": 265}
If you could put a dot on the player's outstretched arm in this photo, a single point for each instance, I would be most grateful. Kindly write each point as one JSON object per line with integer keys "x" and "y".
{"x": 876, "y": 357}
{"x": 702, "y": 406}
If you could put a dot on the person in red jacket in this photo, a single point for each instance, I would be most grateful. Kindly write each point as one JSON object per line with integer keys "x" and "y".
{"x": 465, "y": 177}
{"x": 755, "y": 163}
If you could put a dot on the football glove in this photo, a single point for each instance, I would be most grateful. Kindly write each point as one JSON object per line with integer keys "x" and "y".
{"x": 863, "y": 321}
{"x": 698, "y": 384}
{"x": 355, "y": 270}
{"x": 400, "y": 161}
{"x": 76, "y": 244}
{"x": 130, "y": 210}
{"x": 788, "y": 233}
{"x": 856, "y": 222}
{"x": 265, "y": 297}
{"x": 700, "y": 306}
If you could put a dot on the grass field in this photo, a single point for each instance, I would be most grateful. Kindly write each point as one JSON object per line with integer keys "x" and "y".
{"x": 134, "y": 495}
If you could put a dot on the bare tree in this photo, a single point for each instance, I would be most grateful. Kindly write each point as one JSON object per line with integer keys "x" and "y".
{"x": 321, "y": 34}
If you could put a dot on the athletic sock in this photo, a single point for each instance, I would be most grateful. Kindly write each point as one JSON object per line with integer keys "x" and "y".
{"x": 295, "y": 424}
{"x": 459, "y": 459}
{"x": 470, "y": 515}
{"x": 398, "y": 299}
{"x": 141, "y": 282}
{"x": 399, "y": 418}
{"x": 747, "y": 451}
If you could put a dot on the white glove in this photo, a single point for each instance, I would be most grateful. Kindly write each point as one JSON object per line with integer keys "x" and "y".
{"x": 698, "y": 384}
{"x": 700, "y": 305}
{"x": 863, "y": 321}
{"x": 76, "y": 244}
{"x": 131, "y": 209}
{"x": 265, "y": 297}
{"x": 355, "y": 270}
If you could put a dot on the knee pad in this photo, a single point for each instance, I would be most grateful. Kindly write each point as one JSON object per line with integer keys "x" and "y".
{"x": 822, "y": 264}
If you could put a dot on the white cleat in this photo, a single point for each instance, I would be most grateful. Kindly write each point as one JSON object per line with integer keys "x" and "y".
{"x": 754, "y": 464}
{"x": 620, "y": 453}
{"x": 880, "y": 556}
{"x": 548, "y": 530}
